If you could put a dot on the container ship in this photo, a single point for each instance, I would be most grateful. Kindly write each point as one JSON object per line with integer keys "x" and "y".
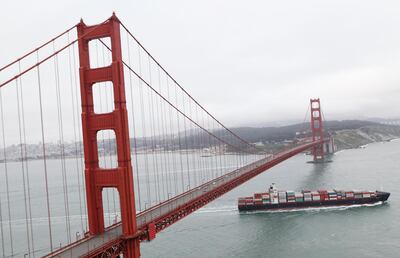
{"x": 276, "y": 199}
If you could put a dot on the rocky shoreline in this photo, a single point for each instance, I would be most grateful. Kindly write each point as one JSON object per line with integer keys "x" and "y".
{"x": 356, "y": 138}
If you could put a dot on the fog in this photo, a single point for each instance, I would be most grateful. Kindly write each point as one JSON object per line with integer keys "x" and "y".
{"x": 248, "y": 62}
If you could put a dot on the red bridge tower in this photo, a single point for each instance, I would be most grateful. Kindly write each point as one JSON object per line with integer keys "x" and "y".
{"x": 97, "y": 178}
{"x": 317, "y": 129}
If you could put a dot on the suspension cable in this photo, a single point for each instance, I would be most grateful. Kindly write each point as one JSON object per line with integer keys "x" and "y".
{"x": 79, "y": 137}
{"x": 134, "y": 132}
{"x": 44, "y": 157}
{"x": 75, "y": 135}
{"x": 51, "y": 55}
{"x": 165, "y": 71}
{"x": 24, "y": 160}
{"x": 177, "y": 109}
{"x": 38, "y": 48}
{"x": 6, "y": 173}
{"x": 2, "y": 230}
{"x": 23, "y": 172}
{"x": 61, "y": 146}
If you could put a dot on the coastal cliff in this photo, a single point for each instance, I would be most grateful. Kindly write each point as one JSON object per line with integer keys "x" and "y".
{"x": 356, "y": 138}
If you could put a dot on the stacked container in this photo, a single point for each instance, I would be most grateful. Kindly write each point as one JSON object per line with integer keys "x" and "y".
{"x": 265, "y": 198}
{"x": 282, "y": 197}
{"x": 323, "y": 195}
{"x": 340, "y": 194}
{"x": 249, "y": 201}
{"x": 242, "y": 201}
{"x": 358, "y": 194}
{"x": 315, "y": 196}
{"x": 366, "y": 194}
{"x": 349, "y": 195}
{"x": 332, "y": 195}
{"x": 290, "y": 196}
{"x": 299, "y": 197}
{"x": 258, "y": 199}
{"x": 307, "y": 196}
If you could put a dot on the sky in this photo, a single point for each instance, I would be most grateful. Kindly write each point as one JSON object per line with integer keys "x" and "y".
{"x": 249, "y": 63}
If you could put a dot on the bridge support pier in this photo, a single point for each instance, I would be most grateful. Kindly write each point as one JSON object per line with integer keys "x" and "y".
{"x": 96, "y": 178}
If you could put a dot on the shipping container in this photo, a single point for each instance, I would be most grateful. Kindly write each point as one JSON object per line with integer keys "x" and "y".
{"x": 257, "y": 196}
{"x": 282, "y": 197}
{"x": 349, "y": 194}
{"x": 316, "y": 198}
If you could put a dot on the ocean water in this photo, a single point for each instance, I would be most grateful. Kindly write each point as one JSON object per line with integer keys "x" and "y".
{"x": 219, "y": 230}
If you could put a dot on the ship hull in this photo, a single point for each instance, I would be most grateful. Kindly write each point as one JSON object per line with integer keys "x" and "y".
{"x": 380, "y": 197}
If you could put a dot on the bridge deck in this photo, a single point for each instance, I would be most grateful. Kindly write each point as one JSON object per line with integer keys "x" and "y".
{"x": 93, "y": 245}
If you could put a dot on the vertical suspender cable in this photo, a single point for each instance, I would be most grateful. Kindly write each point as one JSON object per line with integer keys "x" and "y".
{"x": 192, "y": 138}
{"x": 220, "y": 151}
{"x": 161, "y": 133}
{"x": 75, "y": 137}
{"x": 145, "y": 148}
{"x": 186, "y": 144}
{"x": 165, "y": 144}
{"x": 153, "y": 145}
{"x": 44, "y": 157}
{"x": 82, "y": 188}
{"x": 204, "y": 143}
{"x": 179, "y": 141}
{"x": 2, "y": 230}
{"x": 134, "y": 131}
{"x": 25, "y": 160}
{"x": 6, "y": 175}
{"x": 201, "y": 148}
{"x": 172, "y": 136}
{"x": 61, "y": 146}
{"x": 23, "y": 172}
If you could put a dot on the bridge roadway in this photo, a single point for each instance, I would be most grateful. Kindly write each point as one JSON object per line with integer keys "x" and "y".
{"x": 94, "y": 245}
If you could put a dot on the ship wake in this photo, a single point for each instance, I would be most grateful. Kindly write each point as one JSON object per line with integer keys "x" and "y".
{"x": 314, "y": 209}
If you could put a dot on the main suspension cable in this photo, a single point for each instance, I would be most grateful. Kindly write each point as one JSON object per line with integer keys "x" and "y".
{"x": 177, "y": 109}
{"x": 38, "y": 48}
{"x": 169, "y": 75}
{"x": 55, "y": 52}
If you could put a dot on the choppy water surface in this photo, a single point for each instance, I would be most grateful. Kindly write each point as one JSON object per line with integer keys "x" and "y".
{"x": 218, "y": 230}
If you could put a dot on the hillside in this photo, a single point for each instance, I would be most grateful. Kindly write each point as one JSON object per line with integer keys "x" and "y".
{"x": 347, "y": 133}
{"x": 347, "y": 139}
{"x": 282, "y": 133}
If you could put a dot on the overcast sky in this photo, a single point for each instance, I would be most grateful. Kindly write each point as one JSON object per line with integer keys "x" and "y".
{"x": 248, "y": 62}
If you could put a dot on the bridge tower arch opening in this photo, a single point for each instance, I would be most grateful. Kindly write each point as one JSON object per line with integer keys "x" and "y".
{"x": 97, "y": 178}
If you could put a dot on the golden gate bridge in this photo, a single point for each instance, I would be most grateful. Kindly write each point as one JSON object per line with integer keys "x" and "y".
{"x": 102, "y": 148}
